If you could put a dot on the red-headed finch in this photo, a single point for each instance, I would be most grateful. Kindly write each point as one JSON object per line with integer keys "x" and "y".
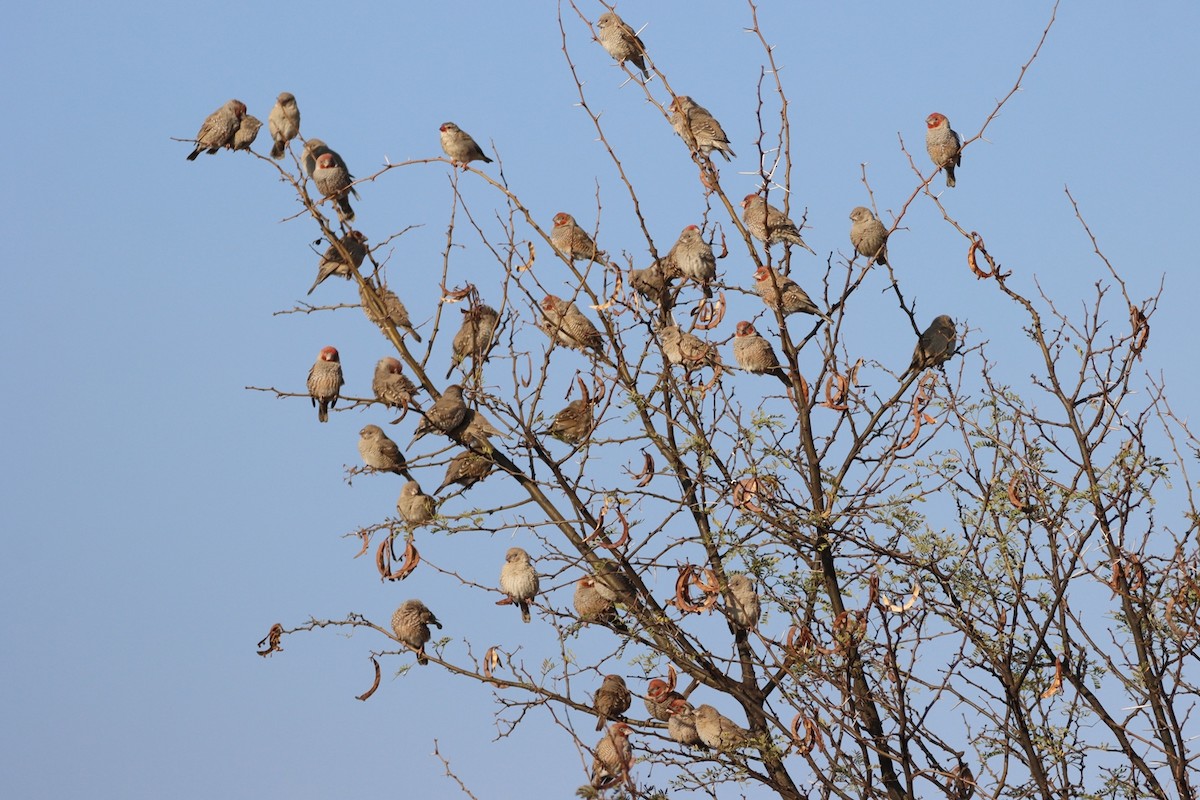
{"x": 391, "y": 386}
{"x": 659, "y": 697}
{"x": 566, "y": 324}
{"x": 754, "y": 354}
{"x": 781, "y": 292}
{"x": 573, "y": 241}
{"x": 333, "y": 181}
{"x": 943, "y": 144}
{"x": 325, "y": 381}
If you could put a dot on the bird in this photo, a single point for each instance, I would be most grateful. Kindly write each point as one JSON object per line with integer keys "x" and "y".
{"x": 573, "y": 241}
{"x": 219, "y": 128}
{"x": 938, "y": 342}
{"x": 354, "y": 243}
{"x": 245, "y": 134}
{"x": 573, "y": 424}
{"x": 333, "y": 181}
{"x": 718, "y": 731}
{"x": 768, "y": 224}
{"x": 744, "y": 607}
{"x": 614, "y": 757}
{"x": 474, "y": 336}
{"x": 687, "y": 350}
{"x": 699, "y": 129}
{"x": 943, "y": 145}
{"x": 390, "y": 385}
{"x": 381, "y": 453}
{"x": 566, "y": 324}
{"x": 466, "y": 469}
{"x": 754, "y": 354}
{"x": 477, "y": 430}
{"x": 611, "y": 701}
{"x": 414, "y": 506}
{"x": 394, "y": 311}
{"x": 659, "y": 697}
{"x": 460, "y": 147}
{"x": 621, "y": 42}
{"x": 447, "y": 415}
{"x": 314, "y": 149}
{"x": 592, "y": 606}
{"x": 410, "y": 623}
{"x": 283, "y": 123}
{"x": 519, "y": 580}
{"x": 325, "y": 381}
{"x": 653, "y": 283}
{"x": 681, "y": 724}
{"x": 784, "y": 294}
{"x": 868, "y": 235}
{"x": 693, "y": 258}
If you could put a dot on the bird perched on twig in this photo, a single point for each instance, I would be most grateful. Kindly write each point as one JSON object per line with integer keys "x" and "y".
{"x": 566, "y": 324}
{"x": 698, "y": 128}
{"x": 938, "y": 342}
{"x": 333, "y": 262}
{"x": 466, "y": 469}
{"x": 754, "y": 354}
{"x": 614, "y": 757}
{"x": 681, "y": 724}
{"x": 659, "y": 697}
{"x": 333, "y": 181}
{"x": 573, "y": 424}
{"x": 654, "y": 283}
{"x": 744, "y": 607}
{"x": 592, "y": 606}
{"x": 411, "y": 623}
{"x": 474, "y": 337}
{"x": 246, "y": 133}
{"x": 519, "y": 580}
{"x": 718, "y": 731}
{"x": 687, "y": 350}
{"x": 611, "y": 701}
{"x": 325, "y": 381}
{"x": 394, "y": 310}
{"x": 621, "y": 42}
{"x": 381, "y": 453}
{"x": 573, "y": 241}
{"x": 768, "y": 224}
{"x": 283, "y": 123}
{"x": 943, "y": 145}
{"x": 460, "y": 147}
{"x": 868, "y": 235}
{"x": 390, "y": 385}
{"x": 448, "y": 414}
{"x": 694, "y": 259}
{"x": 414, "y": 506}
{"x": 783, "y": 294}
{"x": 219, "y": 128}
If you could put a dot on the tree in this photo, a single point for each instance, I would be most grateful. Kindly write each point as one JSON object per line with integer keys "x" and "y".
{"x": 923, "y": 538}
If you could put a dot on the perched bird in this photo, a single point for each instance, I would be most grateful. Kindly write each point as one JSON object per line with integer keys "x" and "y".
{"x": 868, "y": 235}
{"x": 612, "y": 700}
{"x": 614, "y": 757}
{"x": 566, "y": 324}
{"x": 699, "y": 129}
{"x": 573, "y": 424}
{"x": 390, "y": 385}
{"x": 414, "y": 506}
{"x": 936, "y": 345}
{"x": 394, "y": 310}
{"x": 768, "y": 224}
{"x": 477, "y": 431}
{"x": 246, "y": 133}
{"x": 592, "y": 606}
{"x": 681, "y": 724}
{"x": 325, "y": 381}
{"x": 283, "y": 123}
{"x": 218, "y": 130}
{"x": 573, "y": 241}
{"x": 381, "y": 453}
{"x": 448, "y": 414}
{"x": 694, "y": 258}
{"x": 519, "y": 580}
{"x": 754, "y": 354}
{"x": 460, "y": 147}
{"x": 333, "y": 181}
{"x": 333, "y": 262}
{"x": 744, "y": 606}
{"x": 717, "y": 731}
{"x": 411, "y": 624}
{"x": 313, "y": 149}
{"x": 659, "y": 697}
{"x": 621, "y": 42}
{"x": 611, "y": 582}
{"x": 943, "y": 144}
{"x": 653, "y": 283}
{"x": 687, "y": 350}
{"x": 782, "y": 293}
{"x": 466, "y": 469}
{"x": 474, "y": 337}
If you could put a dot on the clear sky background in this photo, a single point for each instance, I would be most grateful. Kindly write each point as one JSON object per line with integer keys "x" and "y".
{"x": 158, "y": 518}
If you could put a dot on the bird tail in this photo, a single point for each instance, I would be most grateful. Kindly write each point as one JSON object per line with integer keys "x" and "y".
{"x": 525, "y": 612}
{"x": 422, "y": 659}
{"x": 277, "y": 149}
{"x": 323, "y": 411}
{"x": 344, "y": 205}
{"x": 195, "y": 153}
{"x": 950, "y": 175}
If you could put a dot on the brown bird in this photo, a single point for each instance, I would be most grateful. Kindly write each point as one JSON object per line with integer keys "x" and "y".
{"x": 694, "y": 258}
{"x": 566, "y": 324}
{"x": 936, "y": 345}
{"x": 614, "y": 757}
{"x": 333, "y": 181}
{"x": 681, "y": 724}
{"x": 573, "y": 241}
{"x": 466, "y": 469}
{"x": 654, "y": 284}
{"x": 687, "y": 350}
{"x": 768, "y": 224}
{"x": 621, "y": 42}
{"x": 573, "y": 424}
{"x": 519, "y": 580}
{"x": 284, "y": 123}
{"x": 868, "y": 235}
{"x": 717, "y": 731}
{"x": 447, "y": 415}
{"x": 391, "y": 386}
{"x": 943, "y": 145}
{"x": 744, "y": 607}
{"x": 754, "y": 354}
{"x": 698, "y": 128}
{"x": 659, "y": 697}
{"x": 325, "y": 382}
{"x": 395, "y": 312}
{"x": 246, "y": 133}
{"x": 333, "y": 262}
{"x": 218, "y": 130}
{"x": 460, "y": 147}
{"x": 411, "y": 624}
{"x": 381, "y": 453}
{"x": 474, "y": 337}
{"x": 784, "y": 294}
{"x": 414, "y": 506}
{"x": 477, "y": 431}
{"x": 612, "y": 700}
{"x": 592, "y": 606}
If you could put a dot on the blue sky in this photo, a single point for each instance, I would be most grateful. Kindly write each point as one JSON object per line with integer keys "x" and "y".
{"x": 159, "y": 517}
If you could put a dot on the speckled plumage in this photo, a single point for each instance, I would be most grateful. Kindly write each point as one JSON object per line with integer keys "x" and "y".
{"x": 768, "y": 224}
{"x": 943, "y": 145}
{"x": 325, "y": 382}
{"x": 698, "y": 128}
{"x": 868, "y": 235}
{"x": 410, "y": 623}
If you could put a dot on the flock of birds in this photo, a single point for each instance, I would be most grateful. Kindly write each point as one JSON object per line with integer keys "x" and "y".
{"x": 690, "y": 259}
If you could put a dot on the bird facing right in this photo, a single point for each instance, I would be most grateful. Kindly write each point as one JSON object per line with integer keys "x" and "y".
{"x": 460, "y": 147}
{"x": 768, "y": 224}
{"x": 938, "y": 342}
{"x": 411, "y": 623}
